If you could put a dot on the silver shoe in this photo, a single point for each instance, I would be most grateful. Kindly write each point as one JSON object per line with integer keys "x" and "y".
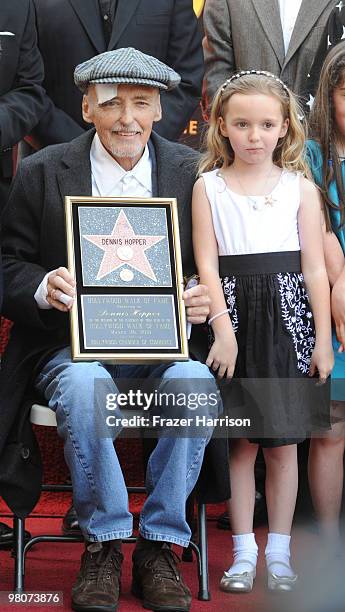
{"x": 280, "y": 583}
{"x": 238, "y": 583}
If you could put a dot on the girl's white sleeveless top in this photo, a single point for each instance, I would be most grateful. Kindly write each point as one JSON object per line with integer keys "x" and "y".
{"x": 245, "y": 225}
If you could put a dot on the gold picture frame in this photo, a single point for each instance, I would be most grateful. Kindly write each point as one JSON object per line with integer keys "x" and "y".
{"x": 126, "y": 258}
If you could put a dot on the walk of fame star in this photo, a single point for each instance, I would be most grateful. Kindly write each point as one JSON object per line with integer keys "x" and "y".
{"x": 122, "y": 247}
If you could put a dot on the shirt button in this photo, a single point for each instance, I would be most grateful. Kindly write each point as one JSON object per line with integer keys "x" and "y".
{"x": 105, "y": 17}
{"x": 25, "y": 452}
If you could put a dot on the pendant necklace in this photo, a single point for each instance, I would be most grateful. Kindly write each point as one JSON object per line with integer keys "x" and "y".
{"x": 269, "y": 199}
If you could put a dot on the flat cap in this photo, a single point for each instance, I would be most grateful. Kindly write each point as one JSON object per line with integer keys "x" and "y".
{"x": 126, "y": 65}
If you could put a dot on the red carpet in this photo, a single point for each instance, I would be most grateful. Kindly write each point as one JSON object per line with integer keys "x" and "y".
{"x": 52, "y": 567}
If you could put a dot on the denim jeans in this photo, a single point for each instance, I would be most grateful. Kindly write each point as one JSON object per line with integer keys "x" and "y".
{"x": 99, "y": 491}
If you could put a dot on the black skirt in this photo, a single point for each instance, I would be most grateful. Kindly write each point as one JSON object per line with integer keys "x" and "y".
{"x": 273, "y": 322}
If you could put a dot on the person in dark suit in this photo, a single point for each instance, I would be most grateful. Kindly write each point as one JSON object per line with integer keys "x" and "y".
{"x": 21, "y": 104}
{"x": 121, "y": 156}
{"x": 72, "y": 31}
{"x": 21, "y": 76}
{"x": 332, "y": 34}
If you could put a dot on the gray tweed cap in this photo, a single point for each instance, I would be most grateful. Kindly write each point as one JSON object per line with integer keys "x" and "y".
{"x": 125, "y": 66}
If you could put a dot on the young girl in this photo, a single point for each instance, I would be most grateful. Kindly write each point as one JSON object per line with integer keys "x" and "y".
{"x": 326, "y": 155}
{"x": 256, "y": 225}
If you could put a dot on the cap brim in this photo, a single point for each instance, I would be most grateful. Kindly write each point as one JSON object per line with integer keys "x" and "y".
{"x": 130, "y": 80}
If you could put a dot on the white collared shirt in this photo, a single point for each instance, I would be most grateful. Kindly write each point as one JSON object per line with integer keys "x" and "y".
{"x": 289, "y": 10}
{"x": 110, "y": 179}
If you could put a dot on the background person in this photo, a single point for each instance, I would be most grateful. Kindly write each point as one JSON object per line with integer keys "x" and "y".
{"x": 21, "y": 75}
{"x": 280, "y": 36}
{"x": 326, "y": 155}
{"x": 332, "y": 34}
{"x": 72, "y": 31}
{"x": 21, "y": 105}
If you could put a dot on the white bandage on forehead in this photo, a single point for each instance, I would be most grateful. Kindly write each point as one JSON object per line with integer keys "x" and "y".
{"x": 105, "y": 92}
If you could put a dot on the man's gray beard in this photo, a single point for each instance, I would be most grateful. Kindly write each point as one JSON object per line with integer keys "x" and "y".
{"x": 127, "y": 151}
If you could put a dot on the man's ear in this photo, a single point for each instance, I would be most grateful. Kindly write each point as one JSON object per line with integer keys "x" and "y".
{"x": 158, "y": 114}
{"x": 87, "y": 109}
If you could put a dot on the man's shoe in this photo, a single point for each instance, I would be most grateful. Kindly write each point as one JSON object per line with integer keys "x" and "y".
{"x": 98, "y": 585}
{"x": 157, "y": 579}
{"x": 70, "y": 524}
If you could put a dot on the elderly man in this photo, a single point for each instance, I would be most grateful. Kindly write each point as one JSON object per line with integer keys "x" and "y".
{"x": 121, "y": 157}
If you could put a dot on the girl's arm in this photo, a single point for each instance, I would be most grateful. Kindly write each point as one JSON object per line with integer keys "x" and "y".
{"x": 315, "y": 276}
{"x": 335, "y": 265}
{"x": 223, "y": 352}
{"x": 334, "y": 257}
{"x": 338, "y": 308}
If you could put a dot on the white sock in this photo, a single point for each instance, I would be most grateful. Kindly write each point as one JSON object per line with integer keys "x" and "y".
{"x": 245, "y": 552}
{"x": 277, "y": 551}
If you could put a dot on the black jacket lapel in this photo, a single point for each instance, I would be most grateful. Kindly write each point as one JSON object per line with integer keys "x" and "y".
{"x": 124, "y": 12}
{"x": 88, "y": 13}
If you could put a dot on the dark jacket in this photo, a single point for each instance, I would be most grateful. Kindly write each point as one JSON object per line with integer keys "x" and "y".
{"x": 21, "y": 75}
{"x": 71, "y": 31}
{"x": 34, "y": 243}
{"x": 332, "y": 34}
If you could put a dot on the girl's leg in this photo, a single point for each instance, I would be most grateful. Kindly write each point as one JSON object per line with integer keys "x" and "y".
{"x": 281, "y": 493}
{"x": 241, "y": 504}
{"x": 241, "y": 509}
{"x": 281, "y": 486}
{"x": 326, "y": 475}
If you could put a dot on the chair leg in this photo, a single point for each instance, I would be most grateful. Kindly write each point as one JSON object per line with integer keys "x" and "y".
{"x": 19, "y": 531}
{"x": 187, "y": 554}
{"x": 204, "y": 593}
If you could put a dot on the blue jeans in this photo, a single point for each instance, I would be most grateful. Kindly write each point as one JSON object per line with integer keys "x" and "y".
{"x": 99, "y": 491}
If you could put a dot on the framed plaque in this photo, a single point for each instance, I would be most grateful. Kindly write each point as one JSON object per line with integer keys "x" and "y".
{"x": 125, "y": 256}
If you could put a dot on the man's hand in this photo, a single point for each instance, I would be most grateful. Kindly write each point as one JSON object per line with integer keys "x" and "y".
{"x": 60, "y": 282}
{"x": 197, "y": 302}
{"x": 338, "y": 311}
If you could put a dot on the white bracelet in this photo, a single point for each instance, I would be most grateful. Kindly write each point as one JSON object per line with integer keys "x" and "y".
{"x": 219, "y": 314}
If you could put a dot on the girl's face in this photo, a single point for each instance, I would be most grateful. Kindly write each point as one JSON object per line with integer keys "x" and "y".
{"x": 253, "y": 123}
{"x": 339, "y": 109}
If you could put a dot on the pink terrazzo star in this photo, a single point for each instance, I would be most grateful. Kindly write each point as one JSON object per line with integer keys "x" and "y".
{"x": 124, "y": 247}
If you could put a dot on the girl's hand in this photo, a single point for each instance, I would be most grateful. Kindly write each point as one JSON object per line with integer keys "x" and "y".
{"x": 322, "y": 360}
{"x": 338, "y": 312}
{"x": 223, "y": 355}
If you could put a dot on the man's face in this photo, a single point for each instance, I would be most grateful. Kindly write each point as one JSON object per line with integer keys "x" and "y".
{"x": 124, "y": 123}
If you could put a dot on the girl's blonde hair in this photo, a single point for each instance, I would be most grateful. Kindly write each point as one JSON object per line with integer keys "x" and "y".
{"x": 289, "y": 152}
{"x": 324, "y": 128}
